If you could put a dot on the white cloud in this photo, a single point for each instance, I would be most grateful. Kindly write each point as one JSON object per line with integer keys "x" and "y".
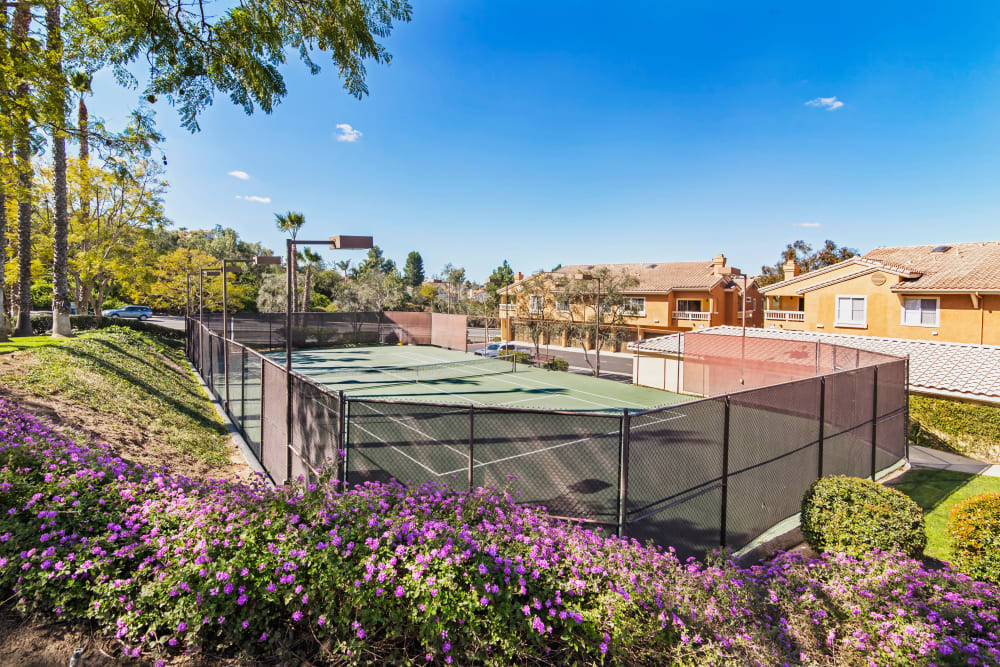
{"x": 348, "y": 133}
{"x": 242, "y": 175}
{"x": 828, "y": 103}
{"x": 806, "y": 224}
{"x": 255, "y": 198}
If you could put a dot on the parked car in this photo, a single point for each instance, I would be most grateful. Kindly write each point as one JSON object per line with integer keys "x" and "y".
{"x": 502, "y": 348}
{"x": 141, "y": 313}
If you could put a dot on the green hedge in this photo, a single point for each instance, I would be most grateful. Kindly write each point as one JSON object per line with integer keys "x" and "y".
{"x": 974, "y": 532}
{"x": 557, "y": 364}
{"x": 971, "y": 429}
{"x": 856, "y": 516}
{"x": 42, "y": 322}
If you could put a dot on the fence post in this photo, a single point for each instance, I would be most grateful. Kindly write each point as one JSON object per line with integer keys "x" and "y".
{"x": 345, "y": 434}
{"x": 906, "y": 412}
{"x": 243, "y": 387}
{"x": 822, "y": 420}
{"x": 624, "y": 444}
{"x": 725, "y": 475}
{"x": 472, "y": 437}
{"x": 874, "y": 417}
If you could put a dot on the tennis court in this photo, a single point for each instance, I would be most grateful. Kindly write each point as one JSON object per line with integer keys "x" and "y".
{"x": 431, "y": 374}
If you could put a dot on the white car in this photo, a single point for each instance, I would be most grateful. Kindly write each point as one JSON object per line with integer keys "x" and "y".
{"x": 502, "y": 348}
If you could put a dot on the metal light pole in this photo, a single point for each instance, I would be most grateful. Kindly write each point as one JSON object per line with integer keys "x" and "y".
{"x": 335, "y": 243}
{"x": 743, "y": 340}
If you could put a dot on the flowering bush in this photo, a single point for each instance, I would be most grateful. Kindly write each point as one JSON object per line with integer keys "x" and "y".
{"x": 974, "y": 533}
{"x": 383, "y": 574}
{"x": 854, "y": 516}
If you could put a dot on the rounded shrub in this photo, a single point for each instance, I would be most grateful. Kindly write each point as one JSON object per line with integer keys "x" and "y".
{"x": 974, "y": 533}
{"x": 855, "y": 516}
{"x": 557, "y": 364}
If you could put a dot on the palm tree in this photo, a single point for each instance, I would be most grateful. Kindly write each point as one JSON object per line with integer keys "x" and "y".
{"x": 290, "y": 223}
{"x": 22, "y": 158}
{"x": 60, "y": 224}
{"x": 313, "y": 260}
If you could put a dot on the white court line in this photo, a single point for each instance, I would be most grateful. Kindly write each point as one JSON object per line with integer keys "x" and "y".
{"x": 553, "y": 391}
{"x": 415, "y": 430}
{"x": 563, "y": 444}
{"x": 433, "y": 472}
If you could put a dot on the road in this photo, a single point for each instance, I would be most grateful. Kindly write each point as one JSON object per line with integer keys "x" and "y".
{"x": 169, "y": 321}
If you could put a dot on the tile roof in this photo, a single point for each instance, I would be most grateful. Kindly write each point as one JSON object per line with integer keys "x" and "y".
{"x": 962, "y": 267}
{"x": 655, "y": 276}
{"x": 963, "y": 369}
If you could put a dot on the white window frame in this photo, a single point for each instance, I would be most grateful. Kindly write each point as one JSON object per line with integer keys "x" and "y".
{"x": 678, "y": 309}
{"x": 560, "y": 303}
{"x": 836, "y": 312}
{"x": 534, "y": 299}
{"x": 630, "y": 311}
{"x": 937, "y": 311}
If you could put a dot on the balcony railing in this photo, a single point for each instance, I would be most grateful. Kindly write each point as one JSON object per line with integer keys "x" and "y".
{"x": 785, "y": 315}
{"x": 685, "y": 315}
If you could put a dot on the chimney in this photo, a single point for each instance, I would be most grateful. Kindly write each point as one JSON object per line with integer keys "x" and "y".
{"x": 719, "y": 264}
{"x": 791, "y": 269}
{"x": 518, "y": 276}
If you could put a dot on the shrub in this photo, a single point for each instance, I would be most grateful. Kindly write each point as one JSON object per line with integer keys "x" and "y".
{"x": 971, "y": 429}
{"x": 974, "y": 533}
{"x": 381, "y": 574}
{"x": 557, "y": 364}
{"x": 855, "y": 516}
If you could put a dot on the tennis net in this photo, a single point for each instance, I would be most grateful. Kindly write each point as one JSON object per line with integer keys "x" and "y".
{"x": 368, "y": 378}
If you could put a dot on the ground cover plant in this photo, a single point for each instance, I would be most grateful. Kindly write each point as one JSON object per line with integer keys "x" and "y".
{"x": 955, "y": 426}
{"x": 133, "y": 378}
{"x": 937, "y": 492}
{"x": 852, "y": 515}
{"x": 382, "y": 574}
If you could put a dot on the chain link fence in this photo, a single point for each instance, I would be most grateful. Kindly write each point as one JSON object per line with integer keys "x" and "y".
{"x": 717, "y": 471}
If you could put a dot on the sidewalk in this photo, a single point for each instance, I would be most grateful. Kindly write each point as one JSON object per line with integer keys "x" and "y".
{"x": 922, "y": 457}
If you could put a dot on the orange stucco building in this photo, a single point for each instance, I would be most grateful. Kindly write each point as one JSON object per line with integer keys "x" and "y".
{"x": 667, "y": 297}
{"x": 945, "y": 292}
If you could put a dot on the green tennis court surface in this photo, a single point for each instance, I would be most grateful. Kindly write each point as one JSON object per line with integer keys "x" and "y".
{"x": 435, "y": 375}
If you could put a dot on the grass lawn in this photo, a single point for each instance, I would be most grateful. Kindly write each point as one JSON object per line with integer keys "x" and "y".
{"x": 937, "y": 491}
{"x": 27, "y": 343}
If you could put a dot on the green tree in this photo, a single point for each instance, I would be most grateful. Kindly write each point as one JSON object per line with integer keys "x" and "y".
{"x": 454, "y": 279}
{"x": 290, "y": 223}
{"x": 806, "y": 258}
{"x": 60, "y": 224}
{"x": 413, "y": 270}
{"x": 375, "y": 261}
{"x": 313, "y": 263}
{"x": 501, "y": 277}
{"x": 22, "y": 54}
{"x": 597, "y": 298}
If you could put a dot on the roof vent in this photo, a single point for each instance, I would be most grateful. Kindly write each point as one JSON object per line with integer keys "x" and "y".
{"x": 942, "y": 248}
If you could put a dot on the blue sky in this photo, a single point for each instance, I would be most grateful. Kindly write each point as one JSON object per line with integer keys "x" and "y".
{"x": 565, "y": 132}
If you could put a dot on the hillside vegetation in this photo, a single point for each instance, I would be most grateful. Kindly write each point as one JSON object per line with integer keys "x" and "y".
{"x": 125, "y": 382}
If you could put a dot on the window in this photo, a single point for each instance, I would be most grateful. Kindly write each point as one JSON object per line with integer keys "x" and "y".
{"x": 562, "y": 305}
{"x": 536, "y": 302}
{"x": 636, "y": 306}
{"x": 920, "y": 313}
{"x": 852, "y": 311}
{"x": 689, "y": 305}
